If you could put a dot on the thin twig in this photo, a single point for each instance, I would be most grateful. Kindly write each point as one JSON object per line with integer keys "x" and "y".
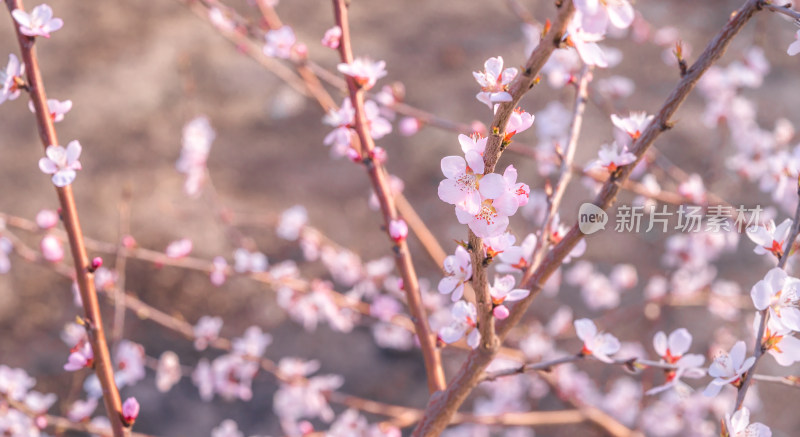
{"x": 119, "y": 266}
{"x": 69, "y": 216}
{"x": 785, "y": 9}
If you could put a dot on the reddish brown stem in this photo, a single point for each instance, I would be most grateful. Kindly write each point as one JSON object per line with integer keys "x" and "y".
{"x": 69, "y": 216}
{"x": 380, "y": 184}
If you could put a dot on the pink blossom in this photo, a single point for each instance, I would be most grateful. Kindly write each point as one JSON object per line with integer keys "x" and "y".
{"x": 195, "y": 147}
{"x": 778, "y": 341}
{"x": 379, "y": 127}
{"x": 203, "y": 378}
{"x": 461, "y": 186}
{"x": 597, "y": 14}
{"x": 249, "y": 262}
{"x": 179, "y": 248}
{"x": 728, "y": 368}
{"x": 292, "y": 222}
{"x": 55, "y": 108}
{"x": 671, "y": 348}
{"x": 219, "y": 270}
{"x": 38, "y": 402}
{"x": 516, "y": 258}
{"x": 624, "y": 276}
{"x": 253, "y": 343}
{"x": 11, "y": 78}
{"x": 494, "y": 246}
{"x": 81, "y": 410}
{"x": 585, "y": 42}
{"x": 342, "y": 119}
{"x": 81, "y": 356}
{"x": 280, "y": 42}
{"x": 769, "y": 238}
{"x": 129, "y": 359}
{"x": 39, "y": 22}
{"x": 332, "y": 36}
{"x": 130, "y": 410}
{"x": 228, "y": 428}
{"x": 206, "y": 331}
{"x": 611, "y": 157}
{"x": 794, "y": 48}
{"x": 219, "y": 20}
{"x": 601, "y": 345}
{"x": 503, "y": 290}
{"x": 15, "y": 383}
{"x": 780, "y": 293}
{"x": 458, "y": 270}
{"x": 739, "y": 425}
{"x": 634, "y": 124}
{"x": 168, "y": 371}
{"x": 398, "y": 230}
{"x": 693, "y": 189}
{"x": 62, "y": 163}
{"x": 519, "y": 121}
{"x": 464, "y": 323}
{"x": 409, "y": 126}
{"x": 51, "y": 247}
{"x": 494, "y": 81}
{"x": 365, "y": 72}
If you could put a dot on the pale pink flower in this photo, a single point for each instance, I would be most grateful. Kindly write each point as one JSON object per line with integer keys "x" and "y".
{"x": 39, "y": 22}
{"x": 249, "y": 262}
{"x": 779, "y": 292}
{"x": 464, "y": 323}
{"x": 599, "y": 344}
{"x": 365, "y": 72}
{"x": 519, "y": 121}
{"x": 332, "y": 37}
{"x": 55, "y": 108}
{"x": 47, "y": 219}
{"x": 342, "y": 120}
{"x": 206, "y": 331}
{"x": 597, "y": 14}
{"x": 379, "y": 127}
{"x": 129, "y": 359}
{"x": 398, "y": 230}
{"x": 409, "y": 126}
{"x": 634, "y": 124}
{"x": 559, "y": 231}
{"x": 81, "y": 356}
{"x": 292, "y": 222}
{"x": 203, "y": 378}
{"x": 778, "y": 341}
{"x": 585, "y": 43}
{"x": 179, "y": 248}
{"x": 228, "y": 428}
{"x": 769, "y": 238}
{"x": 280, "y": 42}
{"x": 500, "y": 197}
{"x": 728, "y": 368}
{"x": 130, "y": 410}
{"x": 794, "y": 48}
{"x": 458, "y": 270}
{"x": 195, "y": 147}
{"x": 11, "y": 79}
{"x": 516, "y": 258}
{"x": 51, "y": 247}
{"x": 503, "y": 290}
{"x": 219, "y": 20}
{"x": 6, "y": 246}
{"x": 253, "y": 343}
{"x": 219, "y": 269}
{"x": 168, "y": 371}
{"x": 494, "y": 246}
{"x": 62, "y": 163}
{"x": 739, "y": 425}
{"x": 81, "y": 410}
{"x": 671, "y": 348}
{"x": 693, "y": 189}
{"x": 624, "y": 276}
{"x": 494, "y": 81}
{"x": 15, "y": 383}
{"x": 612, "y": 156}
{"x": 461, "y": 186}
{"x": 38, "y": 402}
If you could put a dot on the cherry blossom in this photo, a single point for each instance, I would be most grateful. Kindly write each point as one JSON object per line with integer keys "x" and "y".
{"x": 693, "y": 189}
{"x": 461, "y": 186}
{"x": 168, "y": 371}
{"x": 51, "y": 247}
{"x": 292, "y": 222}
{"x": 206, "y": 331}
{"x": 55, "y": 108}
{"x": 494, "y": 246}
{"x": 634, "y": 124}
{"x": 500, "y": 197}
{"x": 600, "y": 345}
{"x": 464, "y": 323}
{"x": 794, "y": 48}
{"x": 130, "y": 410}
{"x": 11, "y": 79}
{"x": 739, "y": 425}
{"x": 779, "y": 292}
{"x": 778, "y": 341}
{"x": 728, "y": 368}
{"x": 15, "y": 383}
{"x": 249, "y": 262}
{"x": 195, "y": 147}
{"x": 597, "y": 14}
{"x": 219, "y": 269}
{"x": 253, "y": 343}
{"x": 332, "y": 37}
{"x": 398, "y": 230}
{"x": 558, "y": 231}
{"x": 81, "y": 356}
{"x": 494, "y": 81}
{"x": 280, "y": 42}
{"x": 38, "y": 402}
{"x": 342, "y": 119}
{"x": 672, "y": 350}
{"x": 518, "y": 121}
{"x": 458, "y": 269}
{"x": 769, "y": 238}
{"x": 516, "y": 258}
{"x": 585, "y": 43}
{"x": 612, "y": 156}
{"x": 409, "y": 126}
{"x": 179, "y": 248}
{"x": 129, "y": 358}
{"x": 304, "y": 398}
{"x": 503, "y": 290}
{"x": 81, "y": 410}
{"x": 62, "y": 163}
{"x": 364, "y": 71}
{"x": 39, "y": 22}
{"x": 379, "y": 127}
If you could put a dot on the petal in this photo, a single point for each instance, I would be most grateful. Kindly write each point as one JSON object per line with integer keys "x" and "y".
{"x": 506, "y": 205}
{"x": 447, "y": 284}
{"x": 737, "y": 354}
{"x": 47, "y": 166}
{"x": 73, "y": 151}
{"x": 660, "y": 343}
{"x": 22, "y": 17}
{"x": 492, "y": 186}
{"x": 790, "y": 318}
{"x": 63, "y": 178}
{"x": 451, "y": 334}
{"x": 620, "y": 14}
{"x": 713, "y": 388}
{"x": 475, "y": 161}
{"x": 761, "y": 295}
{"x": 517, "y": 294}
{"x": 474, "y": 338}
{"x": 453, "y": 166}
{"x": 585, "y": 329}
{"x": 450, "y": 192}
{"x": 680, "y": 341}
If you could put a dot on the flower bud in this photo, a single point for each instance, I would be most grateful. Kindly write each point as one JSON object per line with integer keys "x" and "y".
{"x": 130, "y": 410}
{"x": 398, "y": 230}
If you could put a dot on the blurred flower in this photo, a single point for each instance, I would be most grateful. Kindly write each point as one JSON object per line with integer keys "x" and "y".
{"x": 332, "y": 36}
{"x": 168, "y": 371}
{"x": 179, "y": 248}
{"x": 11, "y": 79}
{"x": 62, "y": 163}
{"x": 51, "y": 247}
{"x": 55, "y": 108}
{"x": 280, "y": 42}
{"x": 464, "y": 323}
{"x": 365, "y": 72}
{"x": 130, "y": 410}
{"x": 611, "y": 157}
{"x": 39, "y": 22}
{"x": 634, "y": 124}
{"x": 81, "y": 356}
{"x": 458, "y": 270}
{"x": 739, "y": 425}
{"x": 206, "y": 331}
{"x": 601, "y": 345}
{"x": 728, "y": 368}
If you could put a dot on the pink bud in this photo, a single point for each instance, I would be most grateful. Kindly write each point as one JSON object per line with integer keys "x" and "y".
{"x": 128, "y": 242}
{"x": 305, "y": 427}
{"x": 332, "y": 37}
{"x": 398, "y": 230}
{"x": 301, "y": 50}
{"x": 379, "y": 155}
{"x": 409, "y": 126}
{"x": 41, "y": 422}
{"x": 52, "y": 249}
{"x": 353, "y": 155}
{"x": 97, "y": 262}
{"x": 47, "y": 218}
{"x": 179, "y": 248}
{"x": 130, "y": 410}
{"x": 500, "y": 312}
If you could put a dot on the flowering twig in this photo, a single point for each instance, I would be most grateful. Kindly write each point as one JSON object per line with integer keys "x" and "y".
{"x": 442, "y": 407}
{"x": 377, "y": 174}
{"x": 69, "y": 216}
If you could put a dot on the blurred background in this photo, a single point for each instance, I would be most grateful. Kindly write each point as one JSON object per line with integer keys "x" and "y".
{"x": 136, "y": 72}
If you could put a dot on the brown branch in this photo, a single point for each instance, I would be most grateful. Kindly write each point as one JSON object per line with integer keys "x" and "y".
{"x": 785, "y": 9}
{"x": 69, "y": 216}
{"x": 380, "y": 184}
{"x": 442, "y": 406}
